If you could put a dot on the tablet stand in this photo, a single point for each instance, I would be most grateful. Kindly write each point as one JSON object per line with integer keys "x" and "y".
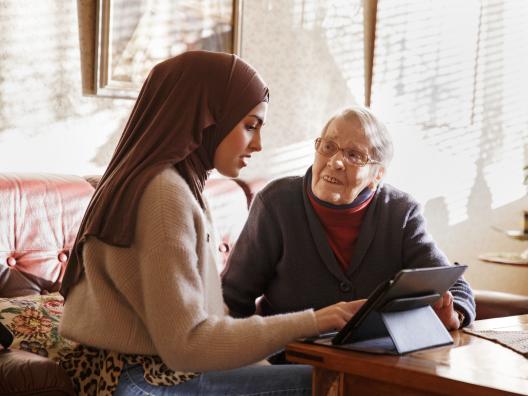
{"x": 415, "y": 329}
{"x": 400, "y": 326}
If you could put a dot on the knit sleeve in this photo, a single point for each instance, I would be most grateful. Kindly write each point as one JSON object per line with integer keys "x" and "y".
{"x": 419, "y": 250}
{"x": 172, "y": 300}
{"x": 251, "y": 264}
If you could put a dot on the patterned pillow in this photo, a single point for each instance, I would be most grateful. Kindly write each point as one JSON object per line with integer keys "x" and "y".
{"x": 34, "y": 322}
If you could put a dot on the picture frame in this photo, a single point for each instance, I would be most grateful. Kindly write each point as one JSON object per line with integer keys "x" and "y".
{"x": 121, "y": 40}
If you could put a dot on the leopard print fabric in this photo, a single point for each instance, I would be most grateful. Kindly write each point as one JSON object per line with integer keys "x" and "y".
{"x": 96, "y": 372}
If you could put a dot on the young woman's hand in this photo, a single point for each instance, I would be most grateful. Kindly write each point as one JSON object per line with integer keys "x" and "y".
{"x": 334, "y": 317}
{"x": 446, "y": 312}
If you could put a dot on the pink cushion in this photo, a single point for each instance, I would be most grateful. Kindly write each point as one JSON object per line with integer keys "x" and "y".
{"x": 39, "y": 218}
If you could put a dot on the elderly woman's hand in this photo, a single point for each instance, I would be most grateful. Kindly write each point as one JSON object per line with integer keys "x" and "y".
{"x": 334, "y": 317}
{"x": 446, "y": 312}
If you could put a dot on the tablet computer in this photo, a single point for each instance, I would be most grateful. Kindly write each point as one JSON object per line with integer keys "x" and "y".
{"x": 409, "y": 289}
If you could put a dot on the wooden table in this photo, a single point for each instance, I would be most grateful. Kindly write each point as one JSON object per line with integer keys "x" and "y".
{"x": 471, "y": 366}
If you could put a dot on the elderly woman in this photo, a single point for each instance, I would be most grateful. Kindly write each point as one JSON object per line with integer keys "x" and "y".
{"x": 336, "y": 233}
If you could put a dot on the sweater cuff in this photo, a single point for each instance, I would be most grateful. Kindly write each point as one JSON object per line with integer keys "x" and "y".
{"x": 467, "y": 315}
{"x": 307, "y": 323}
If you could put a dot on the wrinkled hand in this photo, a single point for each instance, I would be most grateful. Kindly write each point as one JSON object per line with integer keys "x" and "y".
{"x": 334, "y": 317}
{"x": 446, "y": 312}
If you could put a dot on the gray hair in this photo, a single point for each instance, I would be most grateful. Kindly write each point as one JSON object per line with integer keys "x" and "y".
{"x": 375, "y": 131}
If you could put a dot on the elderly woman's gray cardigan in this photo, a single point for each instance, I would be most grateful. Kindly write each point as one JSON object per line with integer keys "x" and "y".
{"x": 283, "y": 254}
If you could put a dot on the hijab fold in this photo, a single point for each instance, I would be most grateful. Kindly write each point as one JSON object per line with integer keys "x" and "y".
{"x": 186, "y": 107}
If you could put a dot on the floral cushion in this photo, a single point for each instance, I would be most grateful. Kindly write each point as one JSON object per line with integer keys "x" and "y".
{"x": 34, "y": 322}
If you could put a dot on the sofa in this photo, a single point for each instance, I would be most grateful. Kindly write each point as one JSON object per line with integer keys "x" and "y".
{"x": 39, "y": 218}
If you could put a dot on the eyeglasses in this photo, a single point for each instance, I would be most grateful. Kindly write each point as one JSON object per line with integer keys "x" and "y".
{"x": 328, "y": 148}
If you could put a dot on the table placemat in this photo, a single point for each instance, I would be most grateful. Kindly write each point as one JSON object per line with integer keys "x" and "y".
{"x": 515, "y": 340}
{"x": 504, "y": 258}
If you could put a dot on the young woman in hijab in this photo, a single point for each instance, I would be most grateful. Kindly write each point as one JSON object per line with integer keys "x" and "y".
{"x": 142, "y": 294}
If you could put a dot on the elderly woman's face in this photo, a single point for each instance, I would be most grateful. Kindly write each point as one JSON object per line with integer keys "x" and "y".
{"x": 333, "y": 179}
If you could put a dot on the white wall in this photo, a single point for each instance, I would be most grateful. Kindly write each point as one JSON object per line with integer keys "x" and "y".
{"x": 468, "y": 176}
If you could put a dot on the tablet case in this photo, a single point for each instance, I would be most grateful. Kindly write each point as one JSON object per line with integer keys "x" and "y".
{"x": 404, "y": 324}
{"x": 396, "y": 333}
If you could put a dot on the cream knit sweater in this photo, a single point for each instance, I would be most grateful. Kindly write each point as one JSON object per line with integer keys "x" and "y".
{"x": 162, "y": 295}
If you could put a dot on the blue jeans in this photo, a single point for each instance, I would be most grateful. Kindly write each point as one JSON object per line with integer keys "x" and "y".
{"x": 250, "y": 380}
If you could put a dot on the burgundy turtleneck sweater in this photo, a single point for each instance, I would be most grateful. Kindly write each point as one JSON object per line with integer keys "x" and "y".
{"x": 342, "y": 223}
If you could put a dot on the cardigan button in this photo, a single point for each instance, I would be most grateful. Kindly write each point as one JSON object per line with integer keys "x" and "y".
{"x": 63, "y": 257}
{"x": 345, "y": 287}
{"x": 224, "y": 247}
{"x": 11, "y": 261}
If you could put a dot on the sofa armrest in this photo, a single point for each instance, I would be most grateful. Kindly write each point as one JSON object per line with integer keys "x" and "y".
{"x": 493, "y": 304}
{"x": 24, "y": 373}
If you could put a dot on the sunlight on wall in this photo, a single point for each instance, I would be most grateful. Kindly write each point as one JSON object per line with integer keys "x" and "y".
{"x": 292, "y": 159}
{"x": 449, "y": 81}
{"x": 313, "y": 66}
{"x": 45, "y": 123}
{"x": 342, "y": 26}
{"x": 341, "y": 22}
{"x": 66, "y": 146}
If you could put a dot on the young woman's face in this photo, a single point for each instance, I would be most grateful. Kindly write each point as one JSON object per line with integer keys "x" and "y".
{"x": 234, "y": 152}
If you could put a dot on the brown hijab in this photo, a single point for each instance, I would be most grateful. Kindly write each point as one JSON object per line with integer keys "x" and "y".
{"x": 186, "y": 106}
